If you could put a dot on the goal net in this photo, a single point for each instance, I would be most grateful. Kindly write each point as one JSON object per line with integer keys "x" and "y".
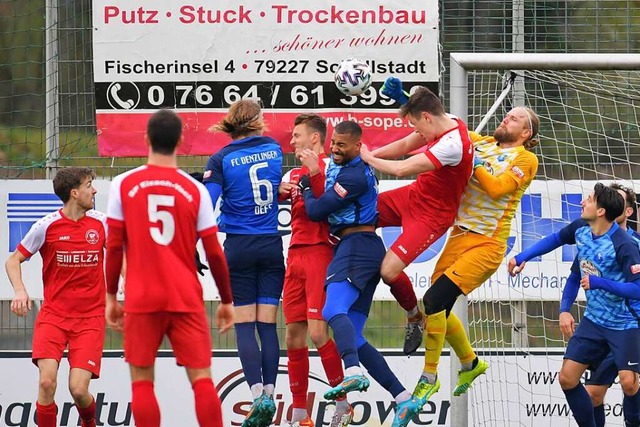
{"x": 589, "y": 106}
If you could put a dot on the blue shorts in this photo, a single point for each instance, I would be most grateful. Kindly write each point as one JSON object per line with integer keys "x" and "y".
{"x": 256, "y": 267}
{"x": 591, "y": 344}
{"x": 605, "y": 374}
{"x": 357, "y": 259}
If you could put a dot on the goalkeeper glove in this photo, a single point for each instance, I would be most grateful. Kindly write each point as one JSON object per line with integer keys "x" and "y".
{"x": 199, "y": 265}
{"x": 304, "y": 183}
{"x": 392, "y": 88}
{"x": 477, "y": 162}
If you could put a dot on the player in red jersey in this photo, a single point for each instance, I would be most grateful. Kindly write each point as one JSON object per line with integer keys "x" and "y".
{"x": 71, "y": 242}
{"x": 156, "y": 212}
{"x": 426, "y": 208}
{"x": 309, "y": 255}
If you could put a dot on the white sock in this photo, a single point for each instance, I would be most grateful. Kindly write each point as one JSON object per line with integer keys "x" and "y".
{"x": 298, "y": 414}
{"x": 431, "y": 378}
{"x": 256, "y": 390}
{"x": 269, "y": 389}
{"x": 353, "y": 370}
{"x": 403, "y": 397}
{"x": 342, "y": 405}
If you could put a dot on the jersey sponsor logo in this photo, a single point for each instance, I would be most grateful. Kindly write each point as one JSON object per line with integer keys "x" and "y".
{"x": 517, "y": 172}
{"x": 64, "y": 238}
{"x": 92, "y": 236}
{"x": 342, "y": 192}
{"x": 75, "y": 259}
{"x": 635, "y": 269}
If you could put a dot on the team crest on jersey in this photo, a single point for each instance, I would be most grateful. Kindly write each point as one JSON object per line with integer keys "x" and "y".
{"x": 635, "y": 269}
{"x": 92, "y": 236}
{"x": 342, "y": 192}
{"x": 588, "y": 268}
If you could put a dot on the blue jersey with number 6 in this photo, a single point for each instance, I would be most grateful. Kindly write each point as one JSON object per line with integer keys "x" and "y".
{"x": 245, "y": 175}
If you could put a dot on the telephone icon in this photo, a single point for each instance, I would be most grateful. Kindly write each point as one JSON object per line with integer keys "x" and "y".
{"x": 116, "y": 98}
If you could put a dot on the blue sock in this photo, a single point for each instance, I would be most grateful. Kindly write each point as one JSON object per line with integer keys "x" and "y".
{"x": 379, "y": 370}
{"x": 345, "y": 337}
{"x": 249, "y": 352}
{"x": 598, "y": 414}
{"x": 270, "y": 351}
{"x": 631, "y": 410}
{"x": 340, "y": 297}
{"x": 580, "y": 404}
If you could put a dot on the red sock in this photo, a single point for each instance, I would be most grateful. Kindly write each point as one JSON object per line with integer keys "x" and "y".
{"x": 402, "y": 291}
{"x": 88, "y": 414}
{"x": 46, "y": 414}
{"x": 208, "y": 405}
{"x": 298, "y": 365}
{"x": 331, "y": 362}
{"x": 144, "y": 405}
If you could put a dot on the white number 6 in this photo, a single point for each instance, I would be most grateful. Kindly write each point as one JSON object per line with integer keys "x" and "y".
{"x": 256, "y": 183}
{"x": 165, "y": 236}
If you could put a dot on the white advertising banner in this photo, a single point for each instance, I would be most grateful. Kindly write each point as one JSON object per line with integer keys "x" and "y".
{"x": 546, "y": 207}
{"x": 519, "y": 389}
{"x": 200, "y": 57}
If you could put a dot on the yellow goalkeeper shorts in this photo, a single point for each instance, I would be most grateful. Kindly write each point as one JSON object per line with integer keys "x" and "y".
{"x": 469, "y": 259}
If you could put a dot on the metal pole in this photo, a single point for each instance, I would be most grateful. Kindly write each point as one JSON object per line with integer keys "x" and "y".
{"x": 458, "y": 92}
{"x": 52, "y": 125}
{"x": 519, "y": 308}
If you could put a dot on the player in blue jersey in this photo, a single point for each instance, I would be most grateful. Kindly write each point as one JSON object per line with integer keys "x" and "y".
{"x": 245, "y": 175}
{"x": 350, "y": 205}
{"x": 603, "y": 377}
{"x": 608, "y": 267}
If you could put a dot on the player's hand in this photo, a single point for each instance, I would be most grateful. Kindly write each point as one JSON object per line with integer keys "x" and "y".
{"x": 304, "y": 183}
{"x": 513, "y": 268}
{"x": 584, "y": 282}
{"x": 284, "y": 189}
{"x": 114, "y": 313}
{"x": 309, "y": 159}
{"x": 199, "y": 265}
{"x": 392, "y": 88}
{"x": 567, "y": 324}
{"x": 224, "y": 317}
{"x": 365, "y": 154}
{"x": 477, "y": 162}
{"x": 21, "y": 303}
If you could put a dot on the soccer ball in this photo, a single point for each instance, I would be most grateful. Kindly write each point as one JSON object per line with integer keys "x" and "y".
{"x": 353, "y": 76}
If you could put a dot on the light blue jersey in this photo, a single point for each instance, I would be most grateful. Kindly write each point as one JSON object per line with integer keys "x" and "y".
{"x": 614, "y": 257}
{"x": 246, "y": 175}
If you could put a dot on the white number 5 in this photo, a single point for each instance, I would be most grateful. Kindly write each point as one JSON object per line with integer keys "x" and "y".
{"x": 164, "y": 237}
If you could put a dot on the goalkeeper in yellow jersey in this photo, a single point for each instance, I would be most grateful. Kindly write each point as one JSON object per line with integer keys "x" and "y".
{"x": 504, "y": 167}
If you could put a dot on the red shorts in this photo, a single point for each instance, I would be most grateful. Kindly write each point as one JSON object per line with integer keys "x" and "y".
{"x": 83, "y": 335}
{"x": 420, "y": 226}
{"x": 188, "y": 334}
{"x": 303, "y": 295}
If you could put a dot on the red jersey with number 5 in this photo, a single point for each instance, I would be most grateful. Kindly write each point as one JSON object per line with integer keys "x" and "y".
{"x": 163, "y": 211}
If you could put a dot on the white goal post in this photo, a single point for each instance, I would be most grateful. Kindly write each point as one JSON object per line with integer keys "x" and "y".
{"x": 606, "y": 147}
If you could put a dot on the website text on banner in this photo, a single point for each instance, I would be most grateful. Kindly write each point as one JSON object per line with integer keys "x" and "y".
{"x": 287, "y": 55}
{"x": 547, "y": 206}
{"x": 534, "y": 394}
